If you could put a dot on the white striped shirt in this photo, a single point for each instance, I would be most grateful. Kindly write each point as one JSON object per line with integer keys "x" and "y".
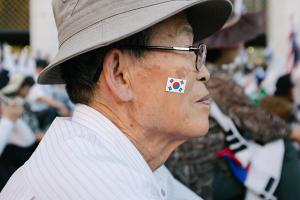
{"x": 88, "y": 157}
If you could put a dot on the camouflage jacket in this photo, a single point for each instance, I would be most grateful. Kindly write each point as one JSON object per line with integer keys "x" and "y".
{"x": 195, "y": 162}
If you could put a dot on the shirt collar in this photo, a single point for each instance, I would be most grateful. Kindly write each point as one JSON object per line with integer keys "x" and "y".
{"x": 109, "y": 132}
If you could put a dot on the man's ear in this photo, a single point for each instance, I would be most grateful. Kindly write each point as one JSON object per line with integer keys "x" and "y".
{"x": 115, "y": 71}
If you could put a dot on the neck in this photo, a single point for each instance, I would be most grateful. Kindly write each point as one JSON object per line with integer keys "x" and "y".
{"x": 154, "y": 146}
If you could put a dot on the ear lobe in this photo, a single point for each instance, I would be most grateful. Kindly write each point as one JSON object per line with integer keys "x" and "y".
{"x": 115, "y": 68}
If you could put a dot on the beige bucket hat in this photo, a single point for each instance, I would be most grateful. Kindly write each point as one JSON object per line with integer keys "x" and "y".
{"x": 14, "y": 83}
{"x": 84, "y": 25}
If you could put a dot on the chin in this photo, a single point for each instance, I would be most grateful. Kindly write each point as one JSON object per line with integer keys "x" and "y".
{"x": 203, "y": 131}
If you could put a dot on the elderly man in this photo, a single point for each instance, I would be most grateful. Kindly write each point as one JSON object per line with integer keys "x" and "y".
{"x": 139, "y": 86}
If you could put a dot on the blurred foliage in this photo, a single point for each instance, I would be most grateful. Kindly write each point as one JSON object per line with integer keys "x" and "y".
{"x": 255, "y": 5}
{"x": 14, "y": 15}
{"x": 256, "y": 55}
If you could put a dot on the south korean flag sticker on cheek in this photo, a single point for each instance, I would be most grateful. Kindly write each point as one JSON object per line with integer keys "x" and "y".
{"x": 175, "y": 85}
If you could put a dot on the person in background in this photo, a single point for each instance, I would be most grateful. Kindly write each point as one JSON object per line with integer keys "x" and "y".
{"x": 281, "y": 103}
{"x": 42, "y": 102}
{"x": 18, "y": 126}
{"x": 196, "y": 163}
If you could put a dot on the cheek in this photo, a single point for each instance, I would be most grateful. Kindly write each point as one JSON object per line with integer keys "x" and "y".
{"x": 149, "y": 82}
{"x": 156, "y": 108}
{"x": 153, "y": 105}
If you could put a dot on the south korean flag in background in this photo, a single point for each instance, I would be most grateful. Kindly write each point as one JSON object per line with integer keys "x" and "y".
{"x": 176, "y": 85}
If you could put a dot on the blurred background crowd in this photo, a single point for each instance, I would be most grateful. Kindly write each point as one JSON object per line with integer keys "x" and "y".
{"x": 256, "y": 56}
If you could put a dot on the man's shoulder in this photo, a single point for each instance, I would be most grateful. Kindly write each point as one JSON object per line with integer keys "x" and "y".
{"x": 78, "y": 161}
{"x": 66, "y": 138}
{"x": 71, "y": 146}
{"x": 83, "y": 178}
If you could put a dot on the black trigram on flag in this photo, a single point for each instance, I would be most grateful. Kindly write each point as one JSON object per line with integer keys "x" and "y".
{"x": 234, "y": 143}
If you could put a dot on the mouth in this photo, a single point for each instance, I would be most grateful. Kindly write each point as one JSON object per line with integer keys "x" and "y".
{"x": 206, "y": 100}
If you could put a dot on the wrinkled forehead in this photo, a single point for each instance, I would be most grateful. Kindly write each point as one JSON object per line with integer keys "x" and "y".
{"x": 173, "y": 27}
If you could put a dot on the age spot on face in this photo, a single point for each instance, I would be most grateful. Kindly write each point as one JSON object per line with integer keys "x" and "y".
{"x": 181, "y": 73}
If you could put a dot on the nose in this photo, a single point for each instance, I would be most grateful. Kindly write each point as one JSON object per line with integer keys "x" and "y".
{"x": 203, "y": 75}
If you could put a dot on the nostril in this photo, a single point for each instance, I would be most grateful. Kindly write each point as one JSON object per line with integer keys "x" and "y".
{"x": 202, "y": 79}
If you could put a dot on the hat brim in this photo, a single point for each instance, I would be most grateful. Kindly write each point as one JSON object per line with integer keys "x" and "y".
{"x": 248, "y": 27}
{"x": 205, "y": 16}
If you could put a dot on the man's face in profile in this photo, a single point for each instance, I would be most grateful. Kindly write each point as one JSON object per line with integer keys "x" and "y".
{"x": 178, "y": 115}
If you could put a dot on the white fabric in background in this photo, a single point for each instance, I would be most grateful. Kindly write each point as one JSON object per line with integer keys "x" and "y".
{"x": 17, "y": 133}
{"x": 36, "y": 92}
{"x": 265, "y": 162}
